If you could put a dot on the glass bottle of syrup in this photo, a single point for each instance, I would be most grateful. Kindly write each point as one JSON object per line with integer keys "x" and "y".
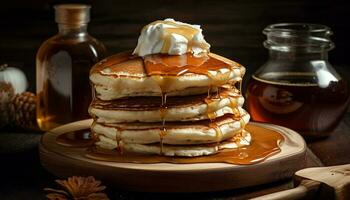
{"x": 62, "y": 68}
{"x": 297, "y": 87}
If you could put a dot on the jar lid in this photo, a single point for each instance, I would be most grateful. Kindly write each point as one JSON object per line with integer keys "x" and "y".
{"x": 73, "y": 14}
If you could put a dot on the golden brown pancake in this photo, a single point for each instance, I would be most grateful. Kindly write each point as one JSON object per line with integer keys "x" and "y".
{"x": 124, "y": 75}
{"x": 177, "y": 133}
{"x": 150, "y": 109}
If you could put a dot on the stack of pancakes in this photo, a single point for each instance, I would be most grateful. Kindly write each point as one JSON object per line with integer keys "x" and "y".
{"x": 168, "y": 105}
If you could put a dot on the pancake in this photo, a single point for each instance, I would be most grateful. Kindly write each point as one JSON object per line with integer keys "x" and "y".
{"x": 244, "y": 139}
{"x": 155, "y": 116}
{"x": 124, "y": 75}
{"x": 149, "y": 109}
{"x": 177, "y": 133}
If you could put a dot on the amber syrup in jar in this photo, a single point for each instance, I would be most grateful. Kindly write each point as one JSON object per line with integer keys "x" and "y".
{"x": 297, "y": 101}
{"x": 297, "y": 87}
{"x": 63, "y": 65}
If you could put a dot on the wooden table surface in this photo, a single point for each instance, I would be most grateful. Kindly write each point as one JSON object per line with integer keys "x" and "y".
{"x": 334, "y": 150}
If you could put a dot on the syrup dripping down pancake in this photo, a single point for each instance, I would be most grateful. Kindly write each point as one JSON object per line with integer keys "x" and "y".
{"x": 149, "y": 109}
{"x": 243, "y": 139}
{"x": 177, "y": 133}
{"x": 124, "y": 75}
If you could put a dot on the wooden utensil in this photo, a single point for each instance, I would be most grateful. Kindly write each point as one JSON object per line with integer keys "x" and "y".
{"x": 317, "y": 183}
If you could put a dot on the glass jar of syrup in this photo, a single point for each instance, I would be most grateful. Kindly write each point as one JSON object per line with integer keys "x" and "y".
{"x": 297, "y": 87}
{"x": 62, "y": 66}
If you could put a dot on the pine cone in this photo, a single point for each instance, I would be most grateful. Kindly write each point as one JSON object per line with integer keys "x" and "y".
{"x": 6, "y": 94}
{"x": 78, "y": 188}
{"x": 23, "y": 110}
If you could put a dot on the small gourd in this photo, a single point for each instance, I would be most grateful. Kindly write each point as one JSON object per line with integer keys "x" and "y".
{"x": 14, "y": 77}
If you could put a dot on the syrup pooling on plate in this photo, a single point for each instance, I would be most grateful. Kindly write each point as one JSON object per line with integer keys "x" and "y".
{"x": 79, "y": 138}
{"x": 265, "y": 143}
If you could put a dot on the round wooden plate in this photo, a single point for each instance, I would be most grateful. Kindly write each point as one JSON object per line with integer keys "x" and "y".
{"x": 166, "y": 177}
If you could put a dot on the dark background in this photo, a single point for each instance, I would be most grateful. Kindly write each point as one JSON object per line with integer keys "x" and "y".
{"x": 233, "y": 28}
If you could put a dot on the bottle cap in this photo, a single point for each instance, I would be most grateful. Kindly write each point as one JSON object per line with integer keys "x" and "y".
{"x": 72, "y": 14}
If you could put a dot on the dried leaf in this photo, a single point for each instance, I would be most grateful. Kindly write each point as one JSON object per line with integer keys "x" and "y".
{"x": 79, "y": 188}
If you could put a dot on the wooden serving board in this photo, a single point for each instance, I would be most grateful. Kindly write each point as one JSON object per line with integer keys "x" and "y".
{"x": 166, "y": 177}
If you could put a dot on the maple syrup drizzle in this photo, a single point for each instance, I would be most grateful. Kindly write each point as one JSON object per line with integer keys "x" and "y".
{"x": 219, "y": 78}
{"x": 177, "y": 65}
{"x": 243, "y": 127}
{"x": 162, "y": 134}
{"x": 237, "y": 114}
{"x": 162, "y": 67}
{"x": 163, "y": 131}
{"x": 218, "y": 131}
{"x": 215, "y": 67}
{"x": 211, "y": 112}
{"x": 233, "y": 102}
{"x": 118, "y": 137}
{"x": 218, "y": 93}
{"x": 212, "y": 104}
{"x": 209, "y": 92}
{"x": 266, "y": 143}
{"x": 211, "y": 107}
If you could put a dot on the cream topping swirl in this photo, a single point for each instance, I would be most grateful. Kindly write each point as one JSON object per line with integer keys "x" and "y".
{"x": 171, "y": 37}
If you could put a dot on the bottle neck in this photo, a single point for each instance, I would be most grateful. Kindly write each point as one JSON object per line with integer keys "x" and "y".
{"x": 72, "y": 30}
{"x": 297, "y": 55}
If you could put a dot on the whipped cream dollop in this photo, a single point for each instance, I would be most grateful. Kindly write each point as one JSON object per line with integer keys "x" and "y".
{"x": 171, "y": 37}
